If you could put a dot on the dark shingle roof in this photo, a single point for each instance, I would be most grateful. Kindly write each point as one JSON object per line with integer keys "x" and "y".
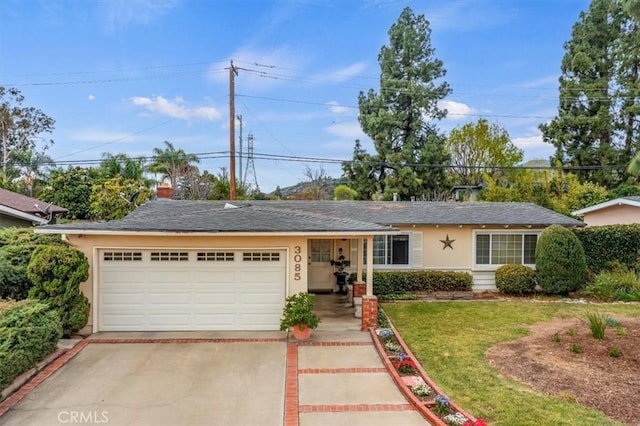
{"x": 205, "y": 216}
{"x": 319, "y": 216}
{"x": 26, "y": 204}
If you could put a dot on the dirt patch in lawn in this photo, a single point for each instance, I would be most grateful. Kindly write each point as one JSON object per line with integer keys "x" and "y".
{"x": 561, "y": 358}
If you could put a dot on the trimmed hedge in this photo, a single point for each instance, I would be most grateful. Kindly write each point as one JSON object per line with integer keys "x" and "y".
{"x": 395, "y": 282}
{"x": 561, "y": 266}
{"x": 29, "y": 331}
{"x": 515, "y": 279}
{"x": 604, "y": 245}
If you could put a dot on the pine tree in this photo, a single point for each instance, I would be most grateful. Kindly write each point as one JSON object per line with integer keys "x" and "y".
{"x": 597, "y": 121}
{"x": 410, "y": 150}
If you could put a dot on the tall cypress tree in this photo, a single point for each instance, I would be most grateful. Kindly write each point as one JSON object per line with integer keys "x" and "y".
{"x": 597, "y": 121}
{"x": 410, "y": 150}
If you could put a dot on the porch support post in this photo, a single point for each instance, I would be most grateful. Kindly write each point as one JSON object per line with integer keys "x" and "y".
{"x": 369, "y": 291}
{"x": 360, "y": 260}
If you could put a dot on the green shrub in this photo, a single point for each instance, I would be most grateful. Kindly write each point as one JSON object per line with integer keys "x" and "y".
{"x": 560, "y": 261}
{"x": 515, "y": 279}
{"x": 620, "y": 284}
{"x": 395, "y": 282}
{"x": 29, "y": 331}
{"x": 16, "y": 247}
{"x": 56, "y": 273}
{"x": 606, "y": 244}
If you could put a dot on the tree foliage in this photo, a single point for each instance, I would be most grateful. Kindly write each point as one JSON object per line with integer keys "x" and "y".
{"x": 172, "y": 163}
{"x": 551, "y": 189}
{"x": 116, "y": 197}
{"x": 21, "y": 126}
{"x": 479, "y": 148}
{"x": 561, "y": 266}
{"x": 71, "y": 189}
{"x": 343, "y": 192}
{"x": 56, "y": 273}
{"x": 599, "y": 107}
{"x": 399, "y": 118}
{"x": 123, "y": 165}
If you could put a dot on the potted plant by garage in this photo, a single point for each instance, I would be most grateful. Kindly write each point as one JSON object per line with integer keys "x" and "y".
{"x": 298, "y": 315}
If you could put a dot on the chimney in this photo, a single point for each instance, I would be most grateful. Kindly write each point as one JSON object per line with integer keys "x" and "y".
{"x": 164, "y": 190}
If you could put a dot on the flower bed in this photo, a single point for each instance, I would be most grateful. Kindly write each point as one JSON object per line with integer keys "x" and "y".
{"x": 416, "y": 385}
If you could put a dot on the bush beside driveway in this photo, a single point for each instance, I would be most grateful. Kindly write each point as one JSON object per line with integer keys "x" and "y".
{"x": 29, "y": 331}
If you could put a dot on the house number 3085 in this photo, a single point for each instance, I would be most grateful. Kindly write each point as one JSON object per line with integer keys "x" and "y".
{"x": 297, "y": 263}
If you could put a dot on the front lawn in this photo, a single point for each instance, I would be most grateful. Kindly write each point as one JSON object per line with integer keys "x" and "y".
{"x": 450, "y": 340}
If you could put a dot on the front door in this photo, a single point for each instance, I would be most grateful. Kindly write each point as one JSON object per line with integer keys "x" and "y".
{"x": 321, "y": 277}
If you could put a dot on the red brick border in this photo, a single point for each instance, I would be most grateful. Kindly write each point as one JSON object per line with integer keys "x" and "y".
{"x": 291, "y": 387}
{"x": 40, "y": 377}
{"x": 190, "y": 340}
{"x": 356, "y": 407}
{"x": 334, "y": 343}
{"x": 342, "y": 370}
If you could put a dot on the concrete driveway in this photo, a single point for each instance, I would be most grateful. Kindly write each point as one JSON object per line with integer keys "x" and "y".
{"x": 161, "y": 384}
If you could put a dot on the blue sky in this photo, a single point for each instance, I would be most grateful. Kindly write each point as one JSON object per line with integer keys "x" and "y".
{"x": 126, "y": 75}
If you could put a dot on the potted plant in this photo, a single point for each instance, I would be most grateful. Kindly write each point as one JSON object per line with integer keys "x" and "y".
{"x": 298, "y": 315}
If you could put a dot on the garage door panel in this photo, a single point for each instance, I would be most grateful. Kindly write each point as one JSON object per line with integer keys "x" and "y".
{"x": 193, "y": 295}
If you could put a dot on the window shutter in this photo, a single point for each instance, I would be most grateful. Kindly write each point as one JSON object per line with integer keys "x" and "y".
{"x": 353, "y": 252}
{"x": 417, "y": 256}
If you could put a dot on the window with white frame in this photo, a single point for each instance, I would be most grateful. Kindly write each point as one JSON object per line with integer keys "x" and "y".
{"x": 389, "y": 250}
{"x": 505, "y": 248}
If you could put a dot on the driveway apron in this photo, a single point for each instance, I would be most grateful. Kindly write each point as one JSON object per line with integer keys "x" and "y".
{"x": 239, "y": 383}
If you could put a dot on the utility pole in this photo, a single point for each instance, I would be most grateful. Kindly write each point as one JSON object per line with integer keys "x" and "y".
{"x": 232, "y": 132}
{"x": 240, "y": 147}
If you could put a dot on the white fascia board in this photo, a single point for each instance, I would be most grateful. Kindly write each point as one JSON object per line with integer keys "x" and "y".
{"x": 215, "y": 234}
{"x": 606, "y": 204}
{"x": 22, "y": 215}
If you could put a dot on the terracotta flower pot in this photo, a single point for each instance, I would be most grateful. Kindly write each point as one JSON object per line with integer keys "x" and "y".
{"x": 301, "y": 334}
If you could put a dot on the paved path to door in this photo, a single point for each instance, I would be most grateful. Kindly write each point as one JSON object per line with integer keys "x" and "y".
{"x": 335, "y": 379}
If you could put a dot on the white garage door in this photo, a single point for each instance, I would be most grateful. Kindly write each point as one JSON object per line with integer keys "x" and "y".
{"x": 163, "y": 290}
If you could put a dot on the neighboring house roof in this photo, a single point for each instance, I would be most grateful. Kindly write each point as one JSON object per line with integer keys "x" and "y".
{"x": 628, "y": 201}
{"x": 27, "y": 208}
{"x": 315, "y": 216}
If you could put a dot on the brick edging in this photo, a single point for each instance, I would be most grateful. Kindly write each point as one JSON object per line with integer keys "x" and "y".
{"x": 191, "y": 340}
{"x": 14, "y": 398}
{"x": 355, "y": 407}
{"x": 415, "y": 402}
{"x": 291, "y": 409}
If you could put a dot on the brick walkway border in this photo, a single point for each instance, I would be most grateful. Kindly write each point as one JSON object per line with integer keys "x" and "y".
{"x": 292, "y": 407}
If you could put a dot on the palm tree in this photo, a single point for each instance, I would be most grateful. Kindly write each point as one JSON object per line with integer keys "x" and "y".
{"x": 123, "y": 165}
{"x": 172, "y": 163}
{"x": 33, "y": 168}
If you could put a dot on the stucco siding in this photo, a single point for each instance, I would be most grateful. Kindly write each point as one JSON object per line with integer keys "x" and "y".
{"x": 614, "y": 215}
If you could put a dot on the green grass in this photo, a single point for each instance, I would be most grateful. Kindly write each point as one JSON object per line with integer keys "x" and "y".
{"x": 450, "y": 338}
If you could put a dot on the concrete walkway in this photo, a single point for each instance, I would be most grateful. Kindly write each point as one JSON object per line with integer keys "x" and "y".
{"x": 219, "y": 378}
{"x": 340, "y": 377}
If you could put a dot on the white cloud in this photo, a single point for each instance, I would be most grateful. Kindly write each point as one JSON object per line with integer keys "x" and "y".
{"x": 469, "y": 15}
{"x": 342, "y": 74}
{"x": 529, "y": 142}
{"x": 91, "y": 97}
{"x": 120, "y": 13}
{"x": 456, "y": 110}
{"x": 336, "y": 108}
{"x": 176, "y": 108}
{"x": 346, "y": 130}
{"x": 254, "y": 68}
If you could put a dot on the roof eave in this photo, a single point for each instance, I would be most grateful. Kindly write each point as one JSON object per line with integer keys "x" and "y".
{"x": 341, "y": 234}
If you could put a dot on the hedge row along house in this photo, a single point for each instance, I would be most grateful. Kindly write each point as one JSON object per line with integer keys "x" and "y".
{"x": 213, "y": 265}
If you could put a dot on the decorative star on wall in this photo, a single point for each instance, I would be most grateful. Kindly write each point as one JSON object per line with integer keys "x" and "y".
{"x": 447, "y": 243}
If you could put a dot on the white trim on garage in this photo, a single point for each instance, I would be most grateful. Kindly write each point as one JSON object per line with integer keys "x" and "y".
{"x": 200, "y": 307}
